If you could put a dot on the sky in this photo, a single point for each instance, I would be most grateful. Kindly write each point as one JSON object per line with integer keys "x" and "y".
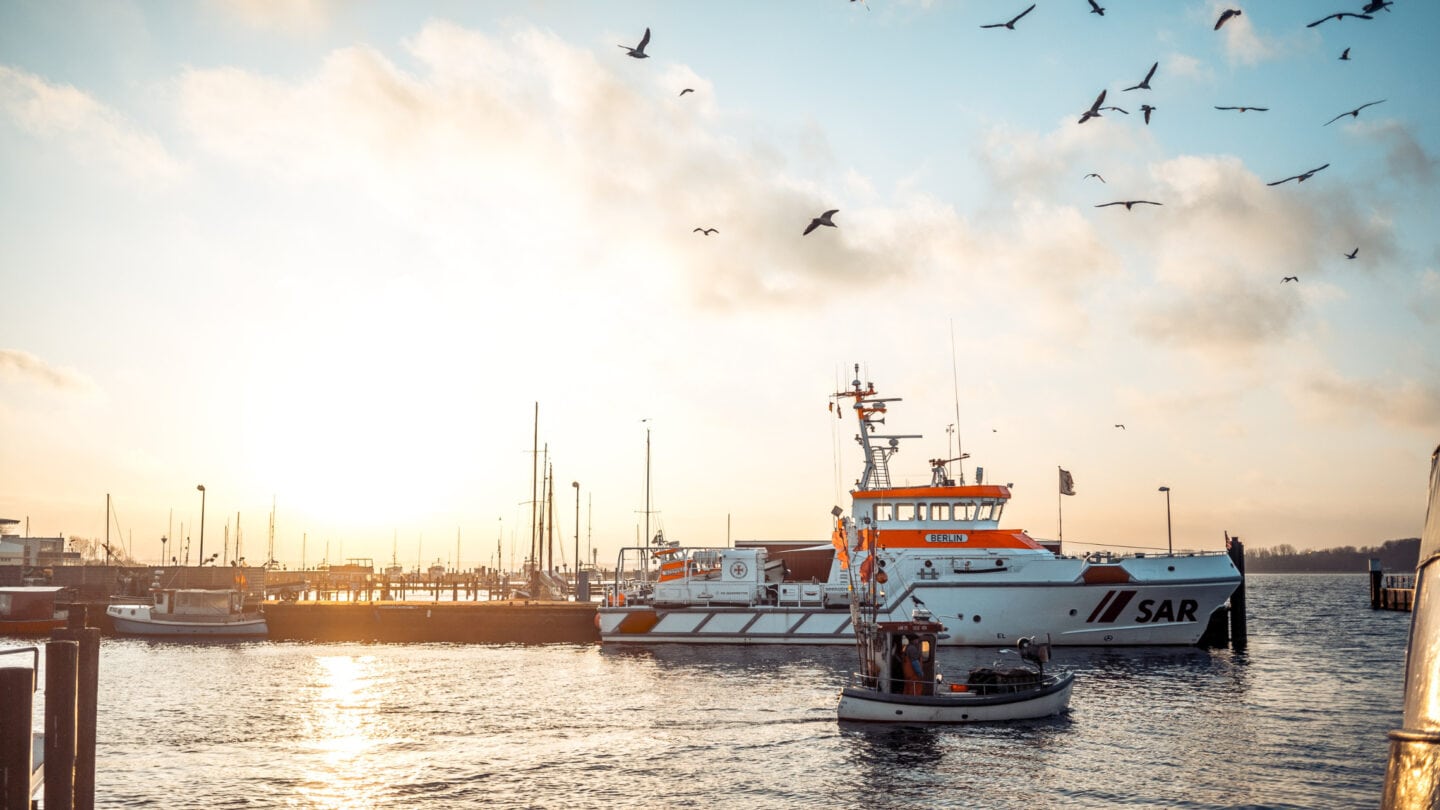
{"x": 329, "y": 258}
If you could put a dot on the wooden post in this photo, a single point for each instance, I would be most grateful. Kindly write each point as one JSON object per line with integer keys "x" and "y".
{"x": 1376, "y": 584}
{"x": 17, "y": 702}
{"x": 61, "y": 671}
{"x": 87, "y": 705}
{"x": 1239, "y": 638}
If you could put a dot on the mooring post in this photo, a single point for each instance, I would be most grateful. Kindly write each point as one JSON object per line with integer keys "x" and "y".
{"x": 61, "y": 666}
{"x": 1377, "y": 584}
{"x": 17, "y": 703}
{"x": 87, "y": 703}
{"x": 1239, "y": 638}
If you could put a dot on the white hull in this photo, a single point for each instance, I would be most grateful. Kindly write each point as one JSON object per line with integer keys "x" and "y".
{"x": 137, "y": 620}
{"x": 867, "y": 705}
{"x": 1162, "y": 612}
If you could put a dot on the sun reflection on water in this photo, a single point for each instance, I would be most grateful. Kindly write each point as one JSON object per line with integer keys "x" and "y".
{"x": 340, "y": 729}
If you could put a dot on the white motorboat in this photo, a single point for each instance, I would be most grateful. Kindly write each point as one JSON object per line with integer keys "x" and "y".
{"x": 189, "y": 612}
{"x": 890, "y": 689}
{"x": 940, "y": 546}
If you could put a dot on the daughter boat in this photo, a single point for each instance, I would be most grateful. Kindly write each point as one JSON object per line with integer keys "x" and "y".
{"x": 898, "y": 682}
{"x": 939, "y": 545}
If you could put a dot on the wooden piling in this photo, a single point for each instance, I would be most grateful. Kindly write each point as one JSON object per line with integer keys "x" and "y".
{"x": 1239, "y": 637}
{"x": 17, "y": 702}
{"x": 1376, "y": 576}
{"x": 87, "y": 705}
{"x": 61, "y": 670}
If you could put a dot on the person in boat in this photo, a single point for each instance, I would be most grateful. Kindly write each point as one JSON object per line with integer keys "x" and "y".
{"x": 914, "y": 666}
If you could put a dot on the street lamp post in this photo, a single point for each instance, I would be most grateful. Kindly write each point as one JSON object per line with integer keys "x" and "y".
{"x": 201, "y": 487}
{"x": 163, "y": 558}
{"x": 1169, "y": 539}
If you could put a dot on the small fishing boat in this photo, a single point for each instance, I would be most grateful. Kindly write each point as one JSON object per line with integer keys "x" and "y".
{"x": 896, "y": 685}
{"x": 30, "y": 610}
{"x": 189, "y": 612}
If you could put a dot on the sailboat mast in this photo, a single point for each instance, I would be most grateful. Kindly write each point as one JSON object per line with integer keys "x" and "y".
{"x": 534, "y": 482}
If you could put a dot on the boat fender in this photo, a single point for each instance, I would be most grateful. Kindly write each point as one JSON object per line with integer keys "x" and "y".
{"x": 597, "y": 621}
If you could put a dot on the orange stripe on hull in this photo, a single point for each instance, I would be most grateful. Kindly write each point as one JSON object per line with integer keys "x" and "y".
{"x": 639, "y": 622}
{"x": 1106, "y": 575}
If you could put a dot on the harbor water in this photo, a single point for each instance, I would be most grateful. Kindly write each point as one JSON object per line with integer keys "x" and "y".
{"x": 1297, "y": 720}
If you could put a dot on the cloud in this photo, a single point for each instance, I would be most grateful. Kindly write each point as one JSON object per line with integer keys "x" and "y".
{"x": 88, "y": 128}
{"x": 1425, "y": 302}
{"x": 1221, "y": 246}
{"x": 26, "y": 367}
{"x": 280, "y": 16}
{"x": 509, "y": 139}
{"x": 1243, "y": 44}
{"x": 1406, "y": 160}
{"x": 1405, "y": 403}
{"x": 1188, "y": 67}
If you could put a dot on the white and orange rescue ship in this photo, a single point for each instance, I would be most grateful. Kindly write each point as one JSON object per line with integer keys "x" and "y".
{"x": 939, "y": 547}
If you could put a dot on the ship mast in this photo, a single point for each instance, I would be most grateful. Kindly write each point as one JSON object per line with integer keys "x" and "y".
{"x": 869, "y": 412}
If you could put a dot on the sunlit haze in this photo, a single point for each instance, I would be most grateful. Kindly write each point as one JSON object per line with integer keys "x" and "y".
{"x": 330, "y": 256}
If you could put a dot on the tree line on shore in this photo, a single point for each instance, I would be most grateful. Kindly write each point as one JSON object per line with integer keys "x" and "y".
{"x": 1395, "y": 556}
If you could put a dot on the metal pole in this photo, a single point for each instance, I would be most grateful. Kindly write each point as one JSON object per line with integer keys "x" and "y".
{"x": 576, "y": 484}
{"x": 201, "y": 487}
{"x": 1169, "y": 538}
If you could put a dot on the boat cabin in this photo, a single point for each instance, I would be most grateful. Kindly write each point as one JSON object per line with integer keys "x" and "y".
{"x": 195, "y": 602}
{"x": 28, "y": 602}
{"x": 893, "y": 639}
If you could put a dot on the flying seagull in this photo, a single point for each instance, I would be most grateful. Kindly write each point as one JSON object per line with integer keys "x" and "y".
{"x": 1116, "y": 109}
{"x": 687, "y": 90}
{"x": 823, "y": 219}
{"x": 705, "y": 231}
{"x": 1011, "y": 24}
{"x": 1128, "y": 203}
{"x": 1122, "y": 427}
{"x": 1375, "y": 5}
{"x": 1355, "y": 113}
{"x": 1096, "y": 9}
{"x": 1340, "y": 15}
{"x": 1094, "y": 175}
{"x": 1225, "y": 17}
{"x": 1094, "y": 111}
{"x": 1147, "y": 109}
{"x": 1301, "y": 177}
{"x": 1352, "y": 253}
{"x": 1145, "y": 82}
{"x": 1290, "y": 278}
{"x": 1345, "y": 57}
{"x": 1243, "y": 109}
{"x": 639, "y": 50}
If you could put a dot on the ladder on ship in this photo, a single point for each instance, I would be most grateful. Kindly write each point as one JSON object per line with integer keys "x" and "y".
{"x": 879, "y": 477}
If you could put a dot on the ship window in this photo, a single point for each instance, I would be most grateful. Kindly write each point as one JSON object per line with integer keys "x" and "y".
{"x": 884, "y": 511}
{"x": 920, "y": 511}
{"x": 965, "y": 511}
{"x": 905, "y": 511}
{"x": 939, "y": 511}
{"x": 985, "y": 511}
{"x": 999, "y": 507}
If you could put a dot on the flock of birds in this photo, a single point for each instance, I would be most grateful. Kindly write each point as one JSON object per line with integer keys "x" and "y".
{"x": 1098, "y": 106}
